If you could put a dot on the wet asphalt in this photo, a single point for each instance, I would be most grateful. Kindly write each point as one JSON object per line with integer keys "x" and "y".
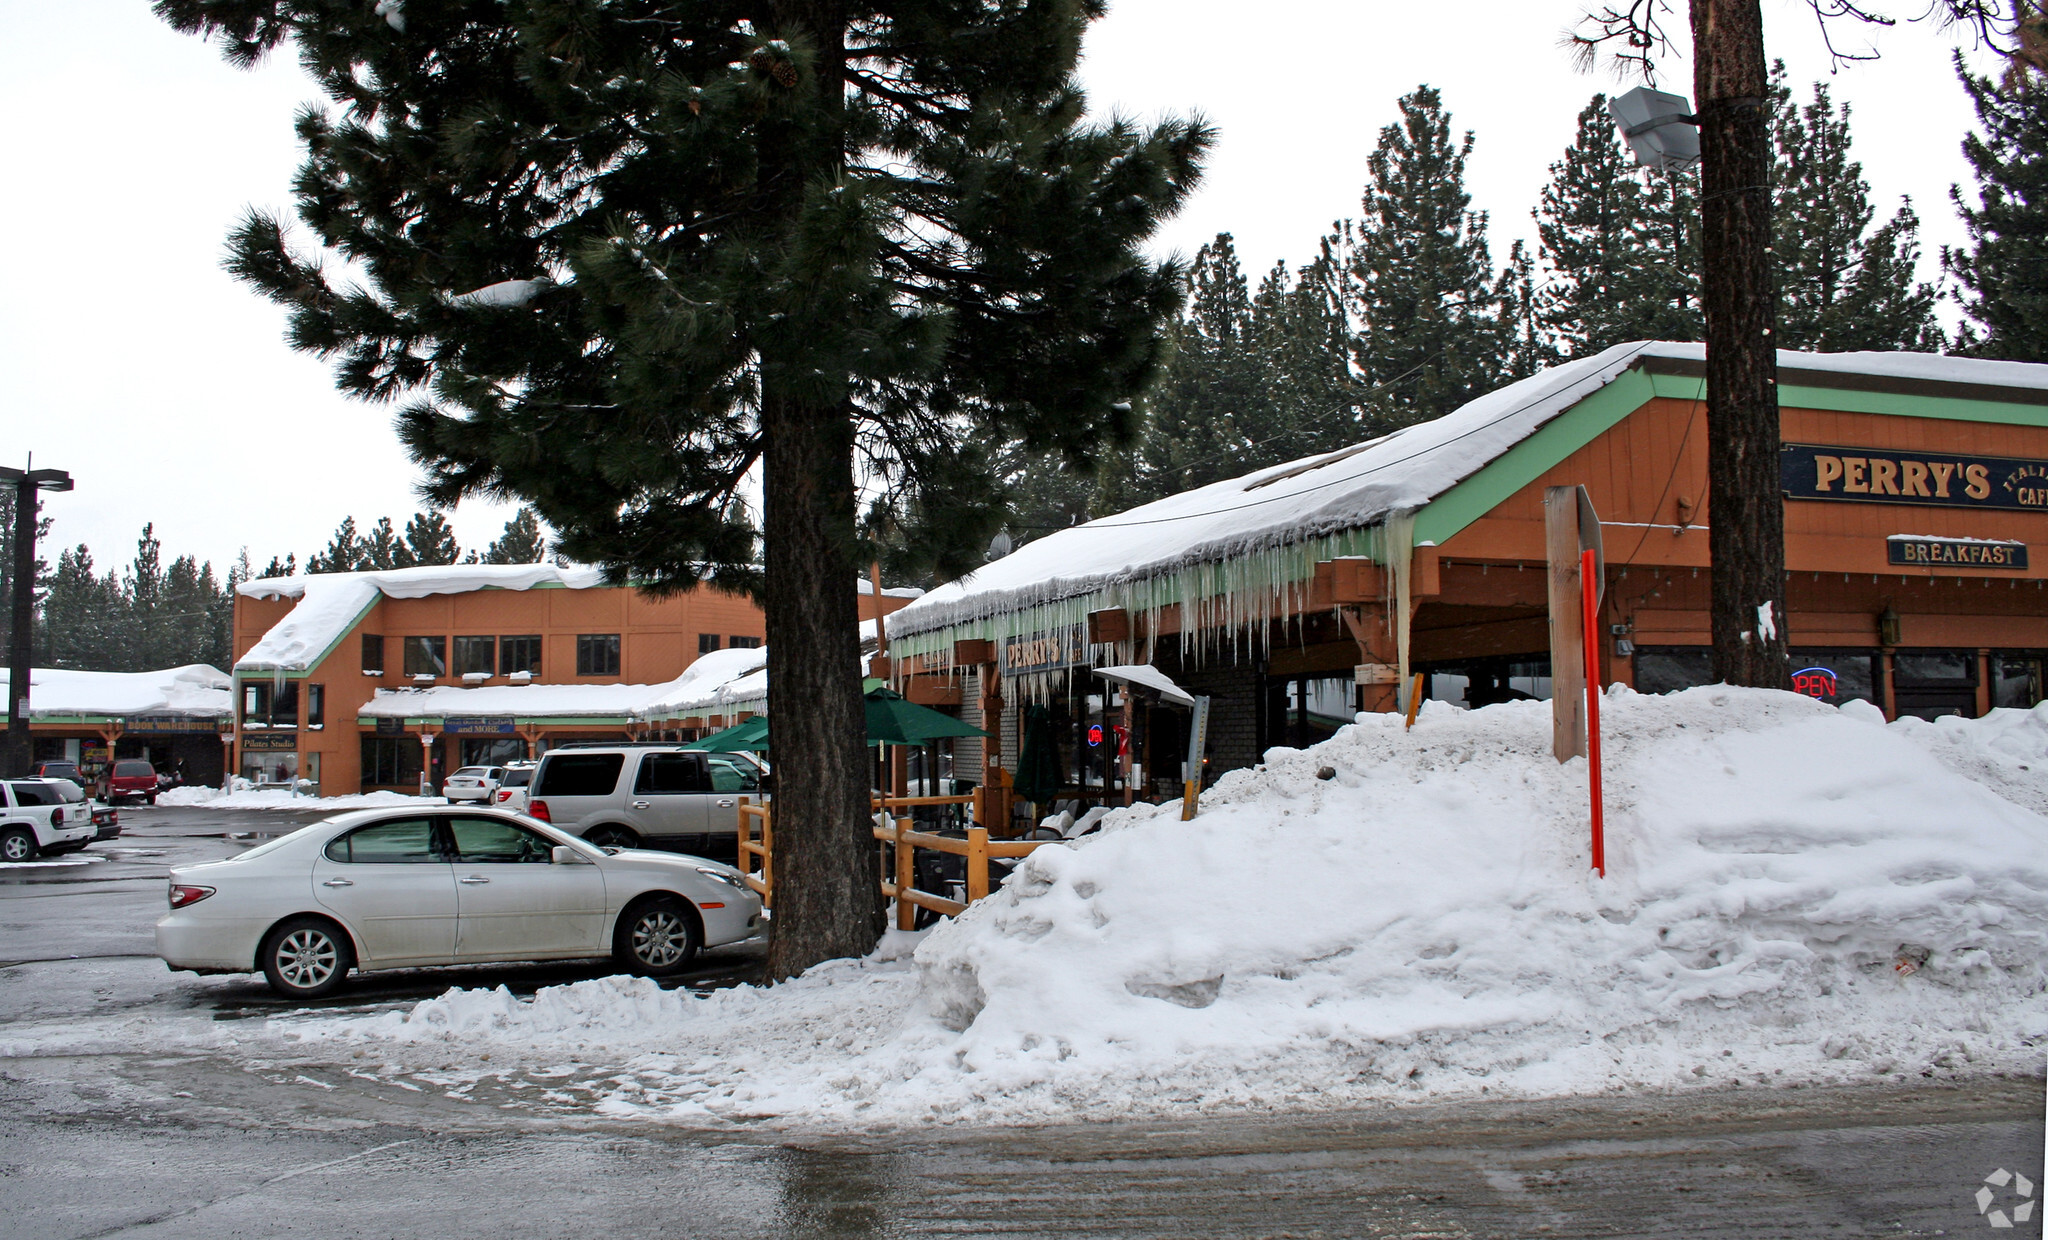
{"x": 162, "y": 1143}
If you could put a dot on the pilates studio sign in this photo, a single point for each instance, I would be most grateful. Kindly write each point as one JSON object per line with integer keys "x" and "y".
{"x": 1882, "y": 476}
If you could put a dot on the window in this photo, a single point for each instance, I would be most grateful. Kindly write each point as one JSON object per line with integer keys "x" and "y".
{"x": 373, "y": 654}
{"x": 406, "y": 841}
{"x": 579, "y": 775}
{"x": 1834, "y": 676}
{"x": 519, "y": 654}
{"x": 476, "y": 654}
{"x": 730, "y": 776}
{"x": 707, "y": 642}
{"x": 597, "y": 654}
{"x": 391, "y": 762}
{"x": 480, "y": 841}
{"x": 316, "y": 706}
{"x": 134, "y": 768}
{"x": 1673, "y": 668}
{"x": 739, "y": 642}
{"x": 672, "y": 772}
{"x": 267, "y": 704}
{"x": 2016, "y": 679}
{"x": 35, "y": 794}
{"x": 426, "y": 656}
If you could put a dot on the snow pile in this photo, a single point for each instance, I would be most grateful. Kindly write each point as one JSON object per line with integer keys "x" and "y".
{"x": 1795, "y": 894}
{"x": 193, "y": 690}
{"x": 330, "y": 604}
{"x": 246, "y": 796}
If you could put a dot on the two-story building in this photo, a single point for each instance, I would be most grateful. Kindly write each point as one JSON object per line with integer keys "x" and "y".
{"x": 466, "y": 664}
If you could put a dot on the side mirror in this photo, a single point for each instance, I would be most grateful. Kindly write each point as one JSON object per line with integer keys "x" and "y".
{"x": 565, "y": 855}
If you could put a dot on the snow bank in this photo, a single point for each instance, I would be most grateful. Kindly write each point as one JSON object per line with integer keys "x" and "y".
{"x": 281, "y": 798}
{"x": 1796, "y": 894}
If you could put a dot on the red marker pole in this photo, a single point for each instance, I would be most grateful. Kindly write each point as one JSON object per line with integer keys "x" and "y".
{"x": 1589, "y": 596}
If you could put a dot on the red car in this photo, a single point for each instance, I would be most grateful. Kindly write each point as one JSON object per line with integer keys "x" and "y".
{"x": 131, "y": 777}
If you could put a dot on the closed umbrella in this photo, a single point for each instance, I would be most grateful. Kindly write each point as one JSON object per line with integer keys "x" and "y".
{"x": 1038, "y": 764}
{"x": 751, "y": 736}
{"x": 892, "y": 720}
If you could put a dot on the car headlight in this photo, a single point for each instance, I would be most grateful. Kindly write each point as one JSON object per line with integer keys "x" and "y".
{"x": 730, "y": 880}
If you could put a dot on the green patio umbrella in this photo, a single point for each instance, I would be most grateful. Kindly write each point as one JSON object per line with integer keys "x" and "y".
{"x": 1038, "y": 764}
{"x": 893, "y": 720}
{"x": 751, "y": 736}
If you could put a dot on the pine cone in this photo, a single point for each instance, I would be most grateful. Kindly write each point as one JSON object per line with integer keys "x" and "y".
{"x": 785, "y": 73}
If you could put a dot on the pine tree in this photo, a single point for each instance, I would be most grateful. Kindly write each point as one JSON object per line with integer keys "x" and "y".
{"x": 1428, "y": 337}
{"x": 521, "y": 543}
{"x": 428, "y": 541}
{"x": 1210, "y": 404}
{"x": 1303, "y": 343}
{"x": 2004, "y": 269}
{"x": 380, "y": 548}
{"x": 144, "y": 589}
{"x": 286, "y": 567}
{"x": 620, "y": 253}
{"x": 343, "y": 553}
{"x": 1841, "y": 287}
{"x": 1619, "y": 249}
{"x": 84, "y": 617}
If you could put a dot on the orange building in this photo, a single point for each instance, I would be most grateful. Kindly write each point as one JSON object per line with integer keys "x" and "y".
{"x": 312, "y": 653}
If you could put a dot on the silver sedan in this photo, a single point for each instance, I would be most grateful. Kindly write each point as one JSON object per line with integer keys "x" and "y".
{"x": 387, "y": 889}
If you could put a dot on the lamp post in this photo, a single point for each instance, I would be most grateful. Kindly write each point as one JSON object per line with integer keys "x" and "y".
{"x": 426, "y": 763}
{"x": 27, "y": 482}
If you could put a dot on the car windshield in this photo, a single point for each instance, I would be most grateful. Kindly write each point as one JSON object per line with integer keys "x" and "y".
{"x": 69, "y": 792}
{"x": 128, "y": 770}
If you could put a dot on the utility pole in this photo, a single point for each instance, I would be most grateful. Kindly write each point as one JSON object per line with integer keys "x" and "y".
{"x": 20, "y": 753}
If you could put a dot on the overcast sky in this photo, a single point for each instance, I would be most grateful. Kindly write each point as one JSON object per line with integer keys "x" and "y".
{"x": 129, "y": 358}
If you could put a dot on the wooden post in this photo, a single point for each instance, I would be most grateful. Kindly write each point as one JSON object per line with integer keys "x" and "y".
{"x": 906, "y": 878}
{"x": 768, "y": 854}
{"x": 1379, "y": 681}
{"x": 977, "y": 863}
{"x": 1567, "y": 640}
{"x": 1414, "y": 700}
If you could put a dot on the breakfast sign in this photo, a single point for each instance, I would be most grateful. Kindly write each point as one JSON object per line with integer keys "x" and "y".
{"x": 1883, "y": 476}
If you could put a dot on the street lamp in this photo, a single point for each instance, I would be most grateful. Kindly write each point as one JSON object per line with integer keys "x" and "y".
{"x": 19, "y": 654}
{"x": 1660, "y": 128}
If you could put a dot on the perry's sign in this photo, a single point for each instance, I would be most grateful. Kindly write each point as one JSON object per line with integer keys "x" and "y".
{"x": 1882, "y": 476}
{"x": 1043, "y": 652}
{"x": 1955, "y": 552}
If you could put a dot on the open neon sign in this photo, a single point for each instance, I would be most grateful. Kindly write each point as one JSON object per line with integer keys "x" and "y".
{"x": 1816, "y": 682}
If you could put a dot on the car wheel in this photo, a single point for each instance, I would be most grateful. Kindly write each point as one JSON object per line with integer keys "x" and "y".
{"x": 152, "y": 798}
{"x": 657, "y": 938}
{"x": 613, "y": 837}
{"x": 306, "y": 958}
{"x": 17, "y": 844}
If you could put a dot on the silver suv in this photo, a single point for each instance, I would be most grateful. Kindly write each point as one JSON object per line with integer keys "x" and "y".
{"x": 640, "y": 796}
{"x": 35, "y": 818}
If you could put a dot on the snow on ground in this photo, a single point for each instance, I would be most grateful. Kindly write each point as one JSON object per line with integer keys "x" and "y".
{"x": 1796, "y": 895}
{"x": 246, "y": 796}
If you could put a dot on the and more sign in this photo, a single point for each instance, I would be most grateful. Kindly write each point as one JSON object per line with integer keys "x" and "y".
{"x": 472, "y": 725}
{"x": 1884, "y": 476}
{"x": 1916, "y": 552}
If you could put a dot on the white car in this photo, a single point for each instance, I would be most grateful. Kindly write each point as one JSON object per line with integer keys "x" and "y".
{"x": 513, "y": 787}
{"x": 387, "y": 889}
{"x": 473, "y": 783}
{"x": 35, "y": 817}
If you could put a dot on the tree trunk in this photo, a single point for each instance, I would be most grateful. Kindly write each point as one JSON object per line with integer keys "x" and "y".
{"x": 825, "y": 898}
{"x": 1746, "y": 508}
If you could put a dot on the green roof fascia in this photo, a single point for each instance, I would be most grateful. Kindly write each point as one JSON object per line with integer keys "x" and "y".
{"x": 79, "y": 720}
{"x": 1893, "y": 404}
{"x": 1482, "y": 492}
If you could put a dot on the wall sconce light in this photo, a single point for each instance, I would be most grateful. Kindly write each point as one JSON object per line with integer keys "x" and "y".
{"x": 1888, "y": 627}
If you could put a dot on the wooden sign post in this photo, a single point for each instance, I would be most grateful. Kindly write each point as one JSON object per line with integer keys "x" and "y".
{"x": 1198, "y": 742}
{"x": 1578, "y": 572}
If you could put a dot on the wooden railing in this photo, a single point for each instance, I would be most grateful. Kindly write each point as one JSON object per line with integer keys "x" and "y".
{"x": 977, "y": 848}
{"x": 764, "y": 886}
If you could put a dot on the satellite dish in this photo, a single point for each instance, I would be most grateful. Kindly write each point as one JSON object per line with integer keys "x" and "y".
{"x": 1001, "y": 545}
{"x": 1660, "y": 128}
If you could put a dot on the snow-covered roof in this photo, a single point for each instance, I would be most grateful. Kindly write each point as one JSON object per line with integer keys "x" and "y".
{"x": 1286, "y": 505}
{"x": 193, "y": 691}
{"x": 711, "y": 681}
{"x": 330, "y": 603}
{"x": 506, "y": 702}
